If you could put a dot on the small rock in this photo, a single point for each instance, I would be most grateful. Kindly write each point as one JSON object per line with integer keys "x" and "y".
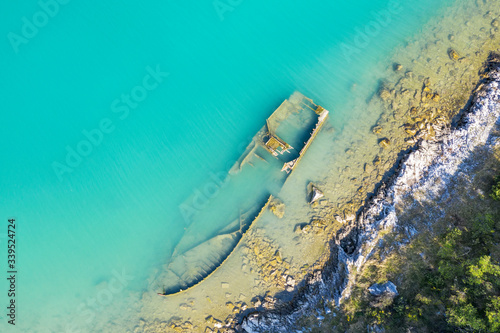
{"x": 384, "y": 143}
{"x": 314, "y": 193}
{"x": 495, "y": 23}
{"x": 224, "y": 285}
{"x": 305, "y": 229}
{"x": 350, "y": 217}
{"x": 451, "y": 37}
{"x": 384, "y": 94}
{"x": 368, "y": 168}
{"x": 398, "y": 67}
{"x": 338, "y": 218}
{"x": 376, "y": 129}
{"x": 299, "y": 228}
{"x": 185, "y": 307}
{"x": 410, "y": 131}
{"x": 453, "y": 54}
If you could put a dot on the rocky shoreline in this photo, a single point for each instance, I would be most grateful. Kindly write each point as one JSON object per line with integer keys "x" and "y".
{"x": 431, "y": 161}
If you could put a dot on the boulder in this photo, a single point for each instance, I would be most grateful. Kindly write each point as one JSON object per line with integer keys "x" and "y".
{"x": 386, "y": 289}
{"x": 314, "y": 193}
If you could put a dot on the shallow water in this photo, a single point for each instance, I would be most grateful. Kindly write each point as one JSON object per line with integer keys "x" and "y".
{"x": 93, "y": 230}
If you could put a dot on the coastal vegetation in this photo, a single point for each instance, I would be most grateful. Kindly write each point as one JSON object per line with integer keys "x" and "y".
{"x": 448, "y": 277}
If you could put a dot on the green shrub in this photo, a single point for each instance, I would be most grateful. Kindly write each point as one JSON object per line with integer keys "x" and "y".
{"x": 495, "y": 189}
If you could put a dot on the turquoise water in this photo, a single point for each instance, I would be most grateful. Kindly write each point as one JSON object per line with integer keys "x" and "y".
{"x": 115, "y": 207}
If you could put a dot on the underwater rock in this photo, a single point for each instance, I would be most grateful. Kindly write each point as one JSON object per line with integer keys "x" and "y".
{"x": 368, "y": 168}
{"x": 410, "y": 131}
{"x": 384, "y": 143}
{"x": 398, "y": 67}
{"x": 314, "y": 193}
{"x": 376, "y": 129}
{"x": 384, "y": 94}
{"x": 305, "y": 228}
{"x": 277, "y": 207}
{"x": 453, "y": 54}
{"x": 495, "y": 23}
{"x": 299, "y": 228}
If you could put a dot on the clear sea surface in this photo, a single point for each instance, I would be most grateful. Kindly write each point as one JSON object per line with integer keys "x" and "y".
{"x": 113, "y": 114}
